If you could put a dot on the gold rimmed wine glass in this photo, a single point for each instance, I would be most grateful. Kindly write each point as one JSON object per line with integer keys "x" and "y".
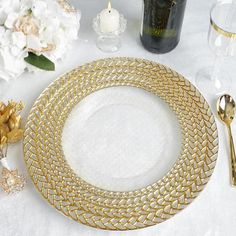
{"x": 222, "y": 41}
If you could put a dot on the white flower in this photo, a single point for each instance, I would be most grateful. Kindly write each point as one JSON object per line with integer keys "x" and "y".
{"x": 6, "y": 38}
{"x": 10, "y": 66}
{"x": 19, "y": 39}
{"x": 41, "y": 26}
{"x": 39, "y": 8}
{"x": 33, "y": 42}
{"x": 10, "y": 20}
{"x": 9, "y": 6}
{"x": 2, "y": 32}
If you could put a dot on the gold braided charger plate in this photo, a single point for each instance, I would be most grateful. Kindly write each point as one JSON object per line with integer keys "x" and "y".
{"x": 113, "y": 210}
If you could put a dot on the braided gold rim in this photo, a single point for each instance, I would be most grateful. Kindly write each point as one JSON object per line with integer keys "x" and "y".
{"x": 99, "y": 208}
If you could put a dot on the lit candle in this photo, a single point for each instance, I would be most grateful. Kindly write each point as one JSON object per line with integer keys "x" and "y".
{"x": 109, "y": 19}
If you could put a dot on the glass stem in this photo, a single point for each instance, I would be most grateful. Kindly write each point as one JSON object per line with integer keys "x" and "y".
{"x": 216, "y": 69}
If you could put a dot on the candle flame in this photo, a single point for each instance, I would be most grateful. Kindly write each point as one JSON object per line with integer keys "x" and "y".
{"x": 109, "y": 6}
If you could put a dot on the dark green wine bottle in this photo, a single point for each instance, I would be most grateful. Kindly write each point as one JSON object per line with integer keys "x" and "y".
{"x": 161, "y": 24}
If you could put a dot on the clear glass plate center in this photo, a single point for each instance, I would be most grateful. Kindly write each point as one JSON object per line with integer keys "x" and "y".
{"x": 121, "y": 139}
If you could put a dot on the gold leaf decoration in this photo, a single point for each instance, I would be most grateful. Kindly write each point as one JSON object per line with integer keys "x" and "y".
{"x": 10, "y": 132}
{"x": 15, "y": 135}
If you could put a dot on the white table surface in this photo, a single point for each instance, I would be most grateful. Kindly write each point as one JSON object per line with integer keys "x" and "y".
{"x": 212, "y": 213}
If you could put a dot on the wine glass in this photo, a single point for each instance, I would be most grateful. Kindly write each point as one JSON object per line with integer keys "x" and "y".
{"x": 222, "y": 41}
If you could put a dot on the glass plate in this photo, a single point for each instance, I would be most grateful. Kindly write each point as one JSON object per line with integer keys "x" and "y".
{"x": 102, "y": 146}
{"x": 121, "y": 138}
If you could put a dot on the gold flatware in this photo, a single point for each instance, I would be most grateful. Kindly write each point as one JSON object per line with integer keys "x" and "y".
{"x": 226, "y": 110}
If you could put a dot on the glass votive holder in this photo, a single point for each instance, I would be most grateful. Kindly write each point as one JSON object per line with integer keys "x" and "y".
{"x": 109, "y": 41}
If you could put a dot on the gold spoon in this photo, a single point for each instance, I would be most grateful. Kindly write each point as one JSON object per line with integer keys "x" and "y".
{"x": 226, "y": 110}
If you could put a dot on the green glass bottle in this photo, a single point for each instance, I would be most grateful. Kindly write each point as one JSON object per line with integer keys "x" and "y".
{"x": 161, "y": 24}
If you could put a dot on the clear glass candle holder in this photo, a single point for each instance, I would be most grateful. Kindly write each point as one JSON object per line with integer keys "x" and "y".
{"x": 109, "y": 41}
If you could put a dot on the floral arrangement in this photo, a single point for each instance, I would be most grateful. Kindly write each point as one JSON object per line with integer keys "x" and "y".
{"x": 35, "y": 34}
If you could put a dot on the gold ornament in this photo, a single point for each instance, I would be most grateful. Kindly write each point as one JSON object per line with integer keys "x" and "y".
{"x": 2, "y": 107}
{"x": 12, "y": 181}
{"x": 15, "y": 135}
{"x": 14, "y": 122}
{"x": 10, "y": 132}
{"x": 3, "y": 142}
{"x": 6, "y": 114}
{"x": 4, "y": 127}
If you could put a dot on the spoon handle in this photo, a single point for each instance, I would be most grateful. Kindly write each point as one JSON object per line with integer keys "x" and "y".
{"x": 232, "y": 157}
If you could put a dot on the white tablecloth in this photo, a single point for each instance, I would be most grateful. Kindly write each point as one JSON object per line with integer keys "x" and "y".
{"x": 212, "y": 213}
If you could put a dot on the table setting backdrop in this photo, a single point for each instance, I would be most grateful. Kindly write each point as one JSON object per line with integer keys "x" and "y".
{"x": 122, "y": 141}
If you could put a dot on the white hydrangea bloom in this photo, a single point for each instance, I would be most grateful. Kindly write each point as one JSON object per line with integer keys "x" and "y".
{"x": 41, "y": 26}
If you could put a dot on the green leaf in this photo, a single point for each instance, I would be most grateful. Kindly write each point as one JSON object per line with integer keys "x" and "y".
{"x": 40, "y": 62}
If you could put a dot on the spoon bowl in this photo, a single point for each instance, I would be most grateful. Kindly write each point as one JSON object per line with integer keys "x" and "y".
{"x": 226, "y": 108}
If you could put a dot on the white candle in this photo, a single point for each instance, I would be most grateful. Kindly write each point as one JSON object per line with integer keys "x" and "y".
{"x": 109, "y": 19}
